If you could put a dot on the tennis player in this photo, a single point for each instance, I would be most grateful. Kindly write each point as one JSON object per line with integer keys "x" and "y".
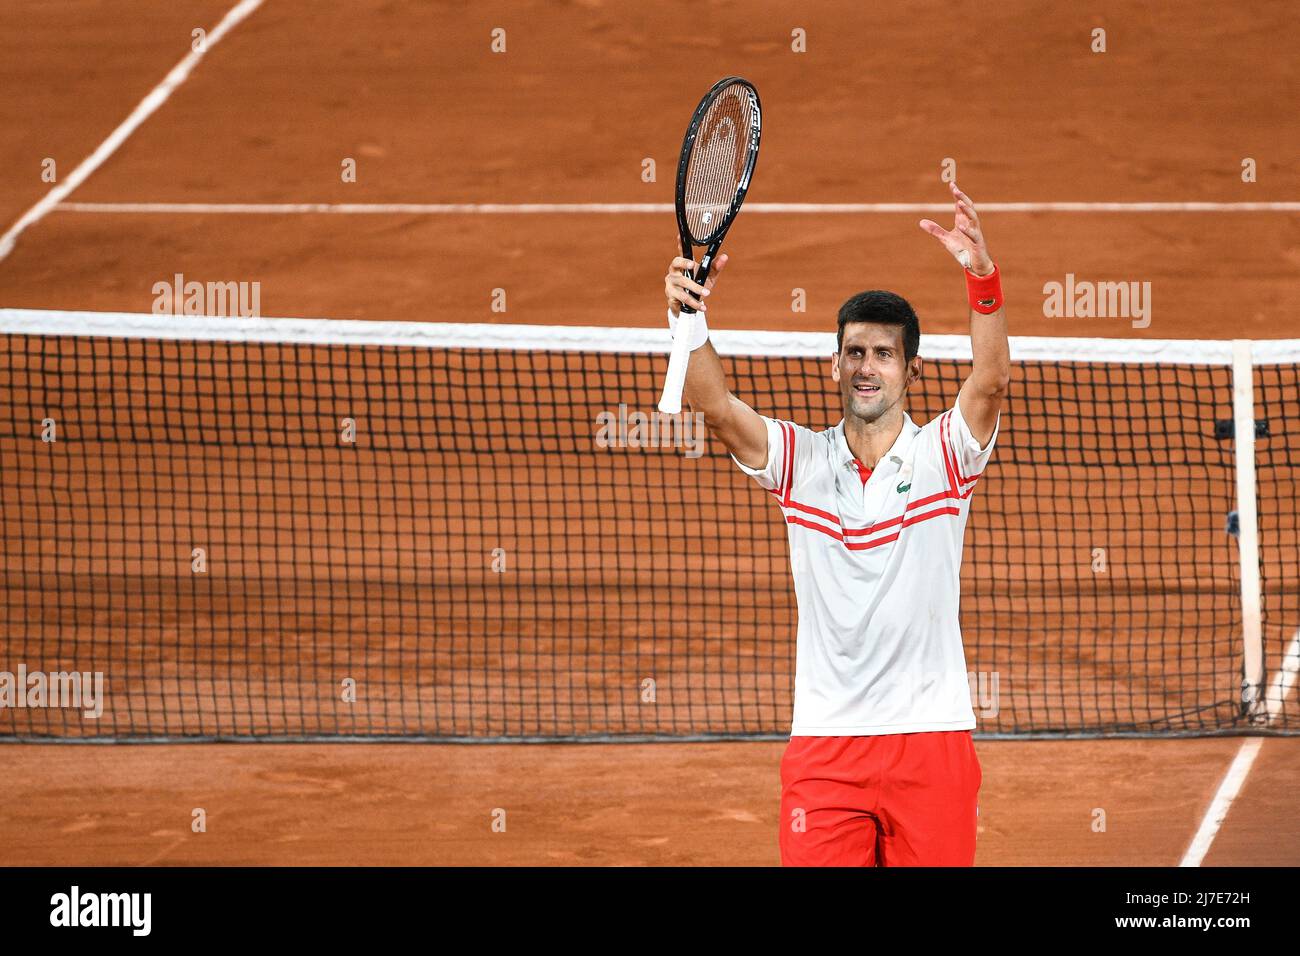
{"x": 880, "y": 769}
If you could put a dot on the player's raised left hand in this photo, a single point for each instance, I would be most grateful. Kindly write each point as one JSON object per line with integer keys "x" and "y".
{"x": 966, "y": 239}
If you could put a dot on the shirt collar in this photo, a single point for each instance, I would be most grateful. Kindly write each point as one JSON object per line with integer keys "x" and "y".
{"x": 897, "y": 451}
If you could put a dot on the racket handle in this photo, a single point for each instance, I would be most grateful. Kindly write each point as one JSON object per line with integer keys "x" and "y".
{"x": 670, "y": 403}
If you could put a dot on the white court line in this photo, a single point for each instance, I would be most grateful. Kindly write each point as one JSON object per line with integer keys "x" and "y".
{"x": 157, "y": 96}
{"x": 1278, "y": 689}
{"x": 591, "y": 208}
{"x": 1222, "y": 802}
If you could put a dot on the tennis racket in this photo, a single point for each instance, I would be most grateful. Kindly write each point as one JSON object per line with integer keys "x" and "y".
{"x": 718, "y": 158}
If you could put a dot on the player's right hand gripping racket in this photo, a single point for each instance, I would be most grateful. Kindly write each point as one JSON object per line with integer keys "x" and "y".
{"x": 718, "y": 158}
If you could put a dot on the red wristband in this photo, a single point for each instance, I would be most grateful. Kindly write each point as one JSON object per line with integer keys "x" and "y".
{"x": 984, "y": 292}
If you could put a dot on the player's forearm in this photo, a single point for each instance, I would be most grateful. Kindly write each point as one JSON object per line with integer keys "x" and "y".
{"x": 706, "y": 384}
{"x": 731, "y": 421}
{"x": 990, "y": 352}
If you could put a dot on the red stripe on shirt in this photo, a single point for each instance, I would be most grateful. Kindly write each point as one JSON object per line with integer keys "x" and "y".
{"x": 880, "y": 525}
{"x": 956, "y": 459}
{"x": 947, "y": 452}
{"x": 954, "y": 492}
{"x": 789, "y": 460}
{"x": 809, "y": 509}
{"x": 906, "y": 523}
{"x": 865, "y": 545}
{"x": 792, "y": 519}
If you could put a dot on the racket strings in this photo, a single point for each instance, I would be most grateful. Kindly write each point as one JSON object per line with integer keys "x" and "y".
{"x": 717, "y": 163}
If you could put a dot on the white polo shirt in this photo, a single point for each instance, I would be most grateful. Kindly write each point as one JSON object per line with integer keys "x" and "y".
{"x": 877, "y": 575}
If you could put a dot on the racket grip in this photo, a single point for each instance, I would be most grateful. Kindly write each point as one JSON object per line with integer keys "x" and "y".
{"x": 670, "y": 403}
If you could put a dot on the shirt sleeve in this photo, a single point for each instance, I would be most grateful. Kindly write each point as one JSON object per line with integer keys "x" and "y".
{"x": 964, "y": 457}
{"x": 782, "y": 438}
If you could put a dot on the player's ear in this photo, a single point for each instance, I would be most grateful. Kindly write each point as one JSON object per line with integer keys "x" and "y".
{"x": 915, "y": 367}
{"x": 835, "y": 366}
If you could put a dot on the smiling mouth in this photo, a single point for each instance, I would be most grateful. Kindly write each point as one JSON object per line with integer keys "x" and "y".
{"x": 865, "y": 388}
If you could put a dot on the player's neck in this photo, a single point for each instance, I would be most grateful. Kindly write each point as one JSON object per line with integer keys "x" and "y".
{"x": 870, "y": 441}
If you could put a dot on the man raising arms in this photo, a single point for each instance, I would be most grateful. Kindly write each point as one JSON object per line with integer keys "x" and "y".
{"x": 880, "y": 769}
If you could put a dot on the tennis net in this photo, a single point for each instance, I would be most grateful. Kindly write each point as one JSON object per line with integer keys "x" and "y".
{"x": 299, "y": 529}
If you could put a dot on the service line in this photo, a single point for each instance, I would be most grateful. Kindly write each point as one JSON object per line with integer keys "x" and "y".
{"x": 624, "y": 208}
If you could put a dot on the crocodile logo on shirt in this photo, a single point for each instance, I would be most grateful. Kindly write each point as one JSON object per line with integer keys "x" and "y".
{"x": 904, "y": 477}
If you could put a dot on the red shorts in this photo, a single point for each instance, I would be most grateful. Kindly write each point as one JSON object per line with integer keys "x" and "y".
{"x": 892, "y": 800}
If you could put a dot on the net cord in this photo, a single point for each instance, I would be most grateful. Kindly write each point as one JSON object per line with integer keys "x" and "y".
{"x": 308, "y": 331}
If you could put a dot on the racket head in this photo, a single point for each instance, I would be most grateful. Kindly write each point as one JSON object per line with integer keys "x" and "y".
{"x": 719, "y": 153}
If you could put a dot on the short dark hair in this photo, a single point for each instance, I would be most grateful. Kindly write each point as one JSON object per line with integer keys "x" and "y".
{"x": 886, "y": 308}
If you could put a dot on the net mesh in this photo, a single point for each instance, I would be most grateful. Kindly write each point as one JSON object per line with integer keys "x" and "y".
{"x": 260, "y": 539}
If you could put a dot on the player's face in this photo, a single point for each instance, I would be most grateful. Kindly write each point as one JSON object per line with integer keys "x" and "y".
{"x": 871, "y": 369}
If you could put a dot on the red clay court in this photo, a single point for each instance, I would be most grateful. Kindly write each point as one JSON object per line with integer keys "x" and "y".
{"x": 521, "y": 686}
